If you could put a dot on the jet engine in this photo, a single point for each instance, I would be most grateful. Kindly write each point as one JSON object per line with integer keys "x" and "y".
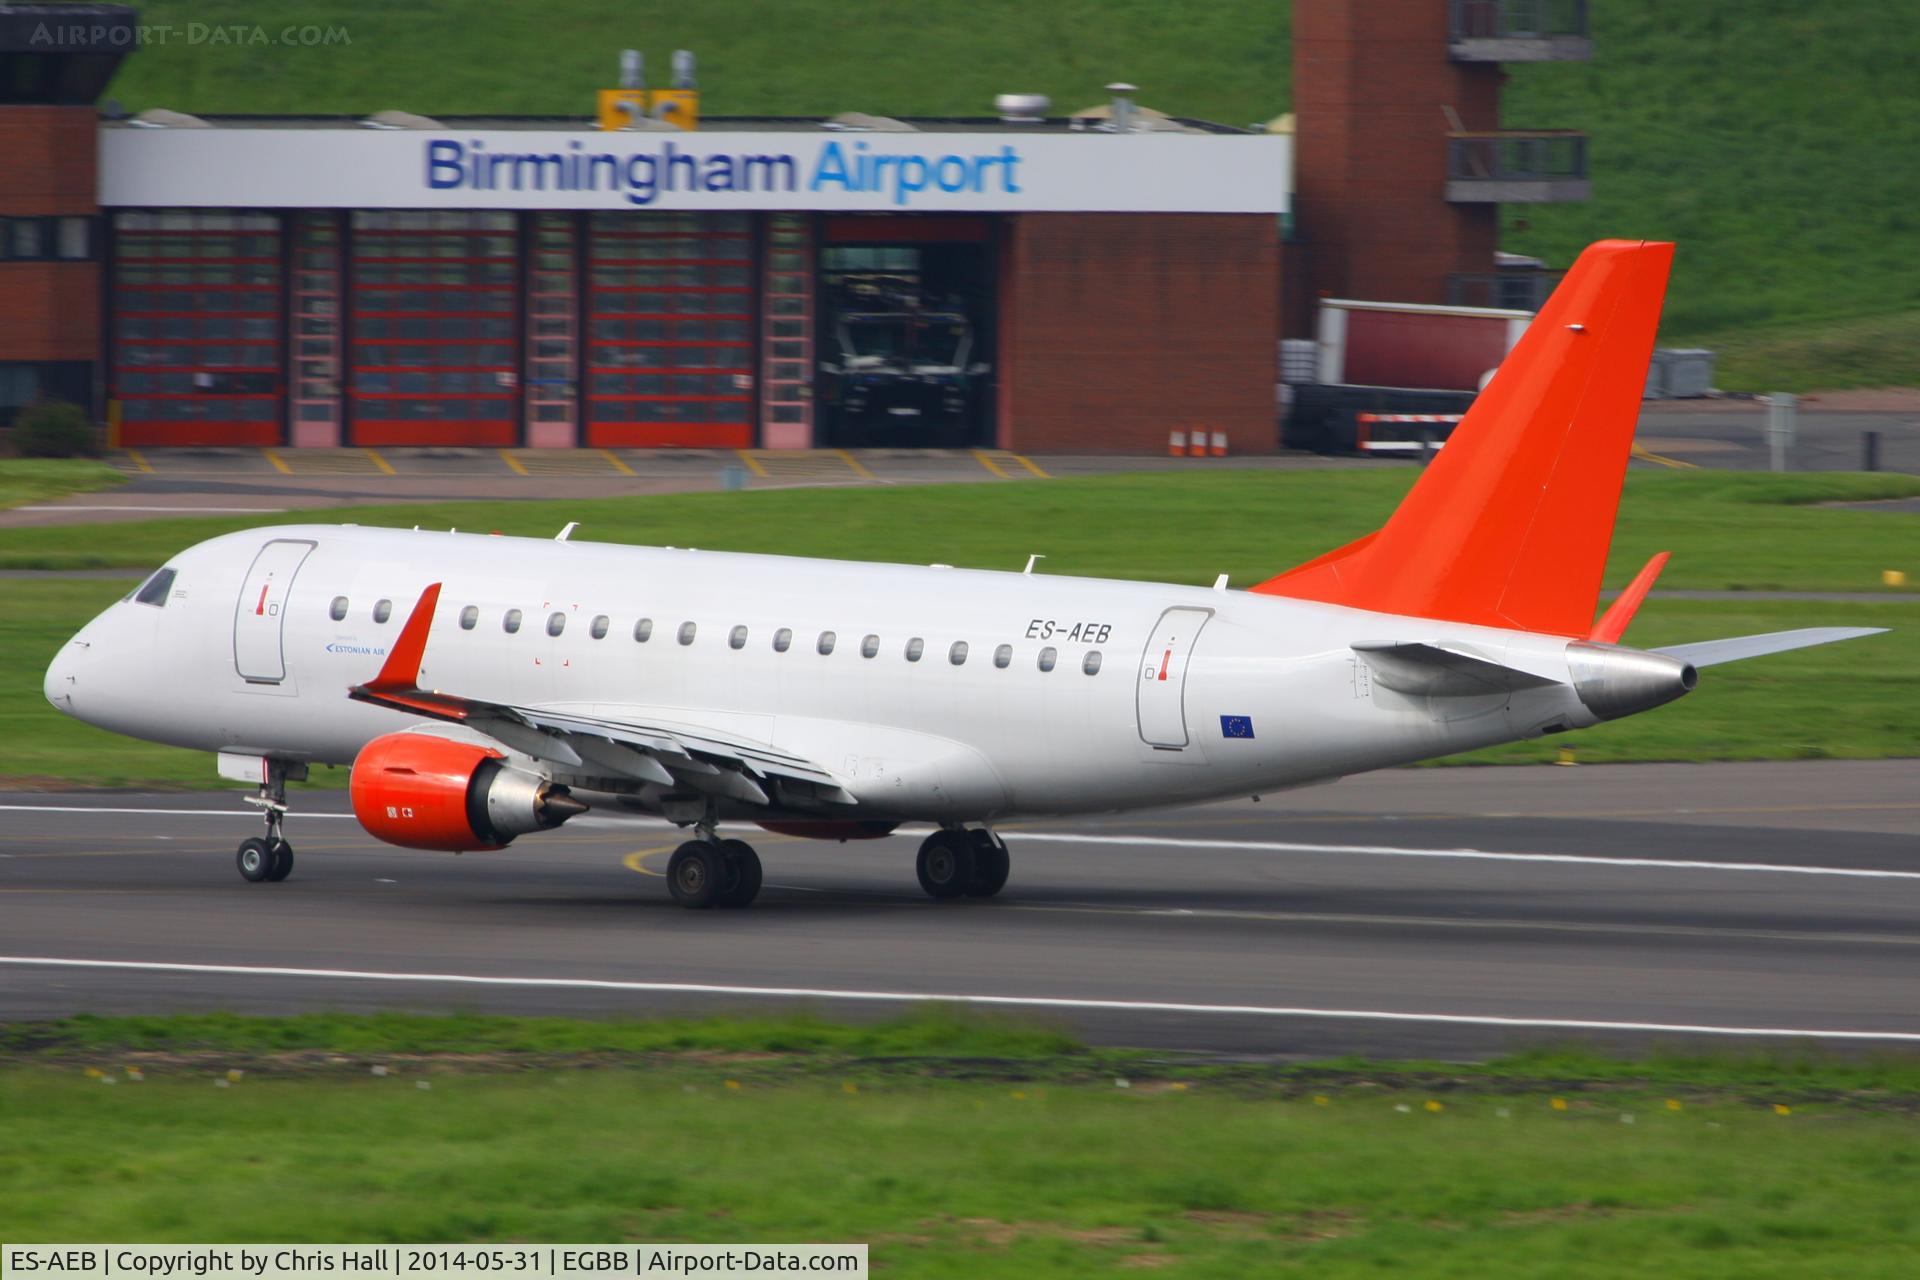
{"x": 423, "y": 792}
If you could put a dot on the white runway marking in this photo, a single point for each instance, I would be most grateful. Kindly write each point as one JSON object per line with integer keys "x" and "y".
{"x": 192, "y": 510}
{"x": 1016, "y": 838}
{"x": 922, "y": 997}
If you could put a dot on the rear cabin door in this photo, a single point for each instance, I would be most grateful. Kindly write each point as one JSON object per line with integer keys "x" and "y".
{"x": 260, "y": 613}
{"x": 1160, "y": 700}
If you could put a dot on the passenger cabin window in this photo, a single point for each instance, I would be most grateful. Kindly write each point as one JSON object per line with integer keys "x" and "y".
{"x": 599, "y": 628}
{"x": 782, "y": 639}
{"x": 511, "y": 623}
{"x": 1047, "y": 658}
{"x": 870, "y": 646}
{"x": 1003, "y": 656}
{"x": 958, "y": 654}
{"x": 915, "y": 647}
{"x": 556, "y": 623}
{"x": 825, "y": 643}
{"x": 643, "y": 630}
{"x": 337, "y": 610}
{"x": 157, "y": 589}
{"x": 1091, "y": 664}
{"x": 382, "y": 610}
{"x": 469, "y": 618}
{"x": 686, "y": 632}
{"x": 737, "y": 638}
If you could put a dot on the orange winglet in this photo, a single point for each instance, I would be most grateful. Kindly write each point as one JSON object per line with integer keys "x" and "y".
{"x": 402, "y": 669}
{"x": 1613, "y": 623}
{"x": 1509, "y": 525}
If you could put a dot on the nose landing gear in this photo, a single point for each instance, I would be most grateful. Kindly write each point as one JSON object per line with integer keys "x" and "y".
{"x": 955, "y": 862}
{"x": 270, "y": 859}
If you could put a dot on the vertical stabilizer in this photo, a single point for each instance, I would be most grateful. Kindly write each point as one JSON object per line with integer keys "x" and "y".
{"x": 1510, "y": 524}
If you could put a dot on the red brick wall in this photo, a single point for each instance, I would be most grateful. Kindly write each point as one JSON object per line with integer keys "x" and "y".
{"x": 1371, "y": 84}
{"x": 1117, "y": 328}
{"x": 48, "y": 310}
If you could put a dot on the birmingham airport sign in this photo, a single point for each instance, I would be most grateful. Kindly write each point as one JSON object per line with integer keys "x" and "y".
{"x": 527, "y": 169}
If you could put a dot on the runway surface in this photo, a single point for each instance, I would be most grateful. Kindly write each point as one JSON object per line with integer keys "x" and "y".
{"x": 1447, "y": 912}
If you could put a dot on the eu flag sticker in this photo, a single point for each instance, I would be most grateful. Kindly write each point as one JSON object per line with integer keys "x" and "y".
{"x": 1236, "y": 726}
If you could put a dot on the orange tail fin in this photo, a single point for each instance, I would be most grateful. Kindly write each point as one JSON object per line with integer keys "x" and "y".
{"x": 1510, "y": 524}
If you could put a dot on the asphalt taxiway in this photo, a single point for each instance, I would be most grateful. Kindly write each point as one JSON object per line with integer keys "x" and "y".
{"x": 1433, "y": 912}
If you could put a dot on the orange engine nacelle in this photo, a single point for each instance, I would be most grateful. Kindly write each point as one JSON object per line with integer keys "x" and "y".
{"x": 423, "y": 792}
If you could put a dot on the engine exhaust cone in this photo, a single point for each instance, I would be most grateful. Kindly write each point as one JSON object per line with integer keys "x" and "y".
{"x": 1614, "y": 681}
{"x": 557, "y": 805}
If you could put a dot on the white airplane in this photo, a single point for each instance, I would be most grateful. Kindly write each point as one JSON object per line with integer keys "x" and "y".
{"x": 485, "y": 688}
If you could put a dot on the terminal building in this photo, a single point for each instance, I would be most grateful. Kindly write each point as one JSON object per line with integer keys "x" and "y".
{"x": 1026, "y": 281}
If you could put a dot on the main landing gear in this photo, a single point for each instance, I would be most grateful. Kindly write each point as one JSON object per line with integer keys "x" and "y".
{"x": 711, "y": 872}
{"x": 956, "y": 863}
{"x": 270, "y": 859}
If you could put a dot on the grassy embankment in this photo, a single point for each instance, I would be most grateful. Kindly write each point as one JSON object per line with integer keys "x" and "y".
{"x": 29, "y": 480}
{"x": 955, "y": 1147}
{"x": 1766, "y": 138}
{"x": 1726, "y": 531}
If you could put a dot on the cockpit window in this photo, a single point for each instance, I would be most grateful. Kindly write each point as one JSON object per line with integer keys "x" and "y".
{"x": 156, "y": 591}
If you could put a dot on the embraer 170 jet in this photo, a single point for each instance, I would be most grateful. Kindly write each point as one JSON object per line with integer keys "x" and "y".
{"x": 484, "y": 688}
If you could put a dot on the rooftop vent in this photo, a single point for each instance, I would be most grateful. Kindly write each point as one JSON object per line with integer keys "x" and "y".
{"x": 1022, "y": 108}
{"x": 1122, "y": 105}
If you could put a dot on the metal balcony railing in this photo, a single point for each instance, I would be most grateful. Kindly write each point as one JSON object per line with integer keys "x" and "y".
{"x": 1508, "y": 290}
{"x": 1518, "y": 30}
{"x": 1516, "y": 166}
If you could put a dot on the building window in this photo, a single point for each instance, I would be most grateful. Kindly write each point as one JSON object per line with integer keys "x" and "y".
{"x": 26, "y": 238}
{"x": 511, "y": 623}
{"x": 1091, "y": 664}
{"x": 1048, "y": 657}
{"x": 782, "y": 639}
{"x": 643, "y": 630}
{"x": 870, "y": 646}
{"x": 825, "y": 644}
{"x": 686, "y": 632}
{"x": 338, "y": 609}
{"x": 74, "y": 239}
{"x": 469, "y": 618}
{"x": 737, "y": 638}
{"x": 957, "y": 655}
{"x": 599, "y": 628}
{"x": 915, "y": 647}
{"x": 556, "y": 623}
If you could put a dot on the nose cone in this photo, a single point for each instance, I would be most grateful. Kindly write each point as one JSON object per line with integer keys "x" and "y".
{"x": 61, "y": 678}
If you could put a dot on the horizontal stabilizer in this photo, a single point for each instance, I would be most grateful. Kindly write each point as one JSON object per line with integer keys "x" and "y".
{"x": 1709, "y": 653}
{"x": 1436, "y": 671}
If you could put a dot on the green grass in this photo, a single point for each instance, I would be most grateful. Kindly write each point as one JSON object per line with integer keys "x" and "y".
{"x": 1769, "y": 138}
{"x": 1872, "y": 351}
{"x": 972, "y": 1179}
{"x": 1727, "y": 531}
{"x": 26, "y": 480}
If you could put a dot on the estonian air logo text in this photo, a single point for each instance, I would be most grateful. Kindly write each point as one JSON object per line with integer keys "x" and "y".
{"x": 643, "y": 177}
{"x": 359, "y": 650}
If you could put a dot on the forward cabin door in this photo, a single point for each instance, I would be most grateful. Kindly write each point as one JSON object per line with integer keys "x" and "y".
{"x": 1160, "y": 698}
{"x": 260, "y": 613}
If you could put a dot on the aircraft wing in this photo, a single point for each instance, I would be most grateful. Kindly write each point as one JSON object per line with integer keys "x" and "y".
{"x": 695, "y": 759}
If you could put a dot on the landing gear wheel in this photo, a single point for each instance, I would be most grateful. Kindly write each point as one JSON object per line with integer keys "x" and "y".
{"x": 282, "y": 854}
{"x": 255, "y": 860}
{"x": 991, "y": 864}
{"x": 945, "y": 864}
{"x": 696, "y": 874}
{"x": 741, "y": 884}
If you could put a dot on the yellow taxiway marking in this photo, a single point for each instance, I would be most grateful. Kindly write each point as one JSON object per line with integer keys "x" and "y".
{"x": 140, "y": 461}
{"x": 613, "y": 460}
{"x": 637, "y": 860}
{"x": 753, "y": 463}
{"x": 386, "y": 467}
{"x": 514, "y": 462}
{"x": 1663, "y": 460}
{"x": 279, "y": 463}
{"x": 854, "y": 464}
{"x": 1030, "y": 465}
{"x": 993, "y": 467}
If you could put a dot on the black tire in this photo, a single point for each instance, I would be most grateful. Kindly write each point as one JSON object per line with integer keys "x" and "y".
{"x": 254, "y": 859}
{"x": 945, "y": 864}
{"x": 696, "y": 874}
{"x": 991, "y": 864}
{"x": 742, "y": 883}
{"x": 282, "y": 854}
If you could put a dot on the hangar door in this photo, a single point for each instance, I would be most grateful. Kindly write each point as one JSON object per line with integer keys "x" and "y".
{"x": 1160, "y": 700}
{"x": 259, "y": 616}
